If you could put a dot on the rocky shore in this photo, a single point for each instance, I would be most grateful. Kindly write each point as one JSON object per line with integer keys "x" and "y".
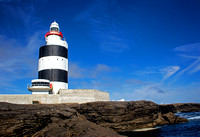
{"x": 95, "y": 119}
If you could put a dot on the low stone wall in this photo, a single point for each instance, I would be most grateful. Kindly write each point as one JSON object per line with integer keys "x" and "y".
{"x": 82, "y": 95}
{"x": 64, "y": 96}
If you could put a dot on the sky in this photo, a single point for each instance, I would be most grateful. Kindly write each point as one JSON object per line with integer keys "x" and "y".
{"x": 132, "y": 49}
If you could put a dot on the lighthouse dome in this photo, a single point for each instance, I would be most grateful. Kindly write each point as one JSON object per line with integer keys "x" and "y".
{"x": 54, "y": 26}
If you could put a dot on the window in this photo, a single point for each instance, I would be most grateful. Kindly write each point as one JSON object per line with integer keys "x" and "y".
{"x": 40, "y": 84}
{"x": 54, "y": 29}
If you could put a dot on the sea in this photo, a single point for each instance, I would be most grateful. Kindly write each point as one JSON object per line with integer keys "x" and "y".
{"x": 188, "y": 129}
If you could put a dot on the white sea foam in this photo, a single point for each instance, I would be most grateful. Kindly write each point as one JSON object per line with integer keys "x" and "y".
{"x": 192, "y": 118}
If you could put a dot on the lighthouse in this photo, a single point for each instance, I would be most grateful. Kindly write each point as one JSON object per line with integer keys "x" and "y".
{"x": 52, "y": 64}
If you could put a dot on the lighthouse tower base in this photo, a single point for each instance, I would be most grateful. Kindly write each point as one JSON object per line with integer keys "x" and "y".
{"x": 64, "y": 96}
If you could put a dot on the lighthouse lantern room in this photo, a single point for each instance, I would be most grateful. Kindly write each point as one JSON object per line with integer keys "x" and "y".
{"x": 53, "y": 63}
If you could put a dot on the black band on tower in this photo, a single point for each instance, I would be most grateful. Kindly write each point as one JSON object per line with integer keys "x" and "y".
{"x": 54, "y": 75}
{"x": 53, "y": 50}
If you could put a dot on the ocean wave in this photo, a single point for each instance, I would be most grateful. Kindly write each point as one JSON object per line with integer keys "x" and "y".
{"x": 191, "y": 116}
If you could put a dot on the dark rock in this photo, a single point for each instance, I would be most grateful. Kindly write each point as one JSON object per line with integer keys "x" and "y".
{"x": 123, "y": 116}
{"x": 172, "y": 119}
{"x": 47, "y": 120}
{"x": 187, "y": 107}
{"x": 167, "y": 108}
{"x": 180, "y": 107}
{"x": 75, "y": 127}
{"x": 95, "y": 119}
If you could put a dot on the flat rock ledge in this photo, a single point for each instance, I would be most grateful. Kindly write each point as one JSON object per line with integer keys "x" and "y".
{"x": 95, "y": 119}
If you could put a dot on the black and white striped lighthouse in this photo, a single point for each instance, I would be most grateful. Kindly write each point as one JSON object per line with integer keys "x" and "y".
{"x": 53, "y": 60}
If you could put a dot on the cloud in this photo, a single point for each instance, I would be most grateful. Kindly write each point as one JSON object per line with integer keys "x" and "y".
{"x": 169, "y": 71}
{"x": 177, "y": 94}
{"x": 150, "y": 89}
{"x": 153, "y": 73}
{"x": 153, "y": 92}
{"x": 102, "y": 68}
{"x": 20, "y": 20}
{"x": 192, "y": 52}
{"x": 103, "y": 27}
{"x": 121, "y": 100}
{"x": 135, "y": 89}
{"x": 188, "y": 56}
{"x": 20, "y": 38}
{"x": 147, "y": 71}
{"x": 76, "y": 71}
{"x": 196, "y": 68}
{"x": 16, "y": 61}
{"x": 158, "y": 90}
{"x": 161, "y": 91}
{"x": 133, "y": 81}
{"x": 192, "y": 68}
{"x": 194, "y": 47}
